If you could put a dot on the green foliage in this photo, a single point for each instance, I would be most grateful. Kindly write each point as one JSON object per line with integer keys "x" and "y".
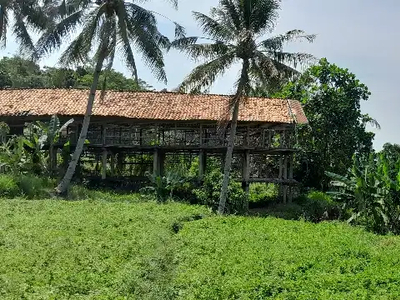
{"x": 371, "y": 193}
{"x": 331, "y": 98}
{"x": 262, "y": 193}
{"x": 227, "y": 39}
{"x": 17, "y": 72}
{"x": 268, "y": 258}
{"x": 122, "y": 248}
{"x": 25, "y": 186}
{"x": 318, "y": 206}
{"x": 89, "y": 249}
{"x": 27, "y": 16}
{"x": 163, "y": 187}
{"x": 8, "y": 186}
{"x": 209, "y": 193}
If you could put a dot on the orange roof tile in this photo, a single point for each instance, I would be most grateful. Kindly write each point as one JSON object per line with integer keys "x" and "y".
{"x": 145, "y": 105}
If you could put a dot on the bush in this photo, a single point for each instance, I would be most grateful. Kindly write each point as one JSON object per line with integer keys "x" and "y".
{"x": 262, "y": 193}
{"x": 27, "y": 186}
{"x": 33, "y": 187}
{"x": 318, "y": 206}
{"x": 8, "y": 186}
{"x": 210, "y": 192}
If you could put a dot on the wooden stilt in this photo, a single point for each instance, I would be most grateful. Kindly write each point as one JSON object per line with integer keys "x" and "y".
{"x": 158, "y": 162}
{"x": 104, "y": 164}
{"x": 112, "y": 164}
{"x": 285, "y": 176}
{"x": 156, "y": 170}
{"x": 291, "y": 177}
{"x": 202, "y": 164}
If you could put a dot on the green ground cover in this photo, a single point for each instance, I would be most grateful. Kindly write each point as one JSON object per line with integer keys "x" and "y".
{"x": 129, "y": 249}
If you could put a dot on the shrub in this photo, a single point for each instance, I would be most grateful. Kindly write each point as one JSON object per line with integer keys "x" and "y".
{"x": 8, "y": 186}
{"x": 209, "y": 193}
{"x": 319, "y": 206}
{"x": 163, "y": 187}
{"x": 33, "y": 187}
{"x": 262, "y": 193}
{"x": 371, "y": 192}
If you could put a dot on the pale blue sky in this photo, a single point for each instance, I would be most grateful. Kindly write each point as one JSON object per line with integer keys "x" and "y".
{"x": 361, "y": 35}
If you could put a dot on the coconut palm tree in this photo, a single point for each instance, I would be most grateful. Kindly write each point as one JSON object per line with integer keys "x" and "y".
{"x": 104, "y": 27}
{"x": 234, "y": 33}
{"x": 27, "y": 15}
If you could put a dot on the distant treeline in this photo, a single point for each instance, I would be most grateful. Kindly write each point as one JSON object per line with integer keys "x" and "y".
{"x": 16, "y": 72}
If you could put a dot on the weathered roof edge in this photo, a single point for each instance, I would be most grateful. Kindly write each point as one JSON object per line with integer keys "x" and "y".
{"x": 290, "y": 102}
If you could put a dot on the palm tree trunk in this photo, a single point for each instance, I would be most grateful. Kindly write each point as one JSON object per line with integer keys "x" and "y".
{"x": 228, "y": 160}
{"x": 65, "y": 182}
{"x": 243, "y": 82}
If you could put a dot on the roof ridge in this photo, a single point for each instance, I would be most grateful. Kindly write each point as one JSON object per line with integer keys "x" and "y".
{"x": 131, "y": 91}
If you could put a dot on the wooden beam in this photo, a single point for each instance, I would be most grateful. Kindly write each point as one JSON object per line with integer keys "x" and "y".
{"x": 285, "y": 177}
{"x": 290, "y": 177}
{"x": 104, "y": 164}
{"x": 246, "y": 171}
{"x": 202, "y": 164}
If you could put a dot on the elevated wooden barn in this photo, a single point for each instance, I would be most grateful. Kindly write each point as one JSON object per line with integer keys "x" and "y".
{"x": 129, "y": 127}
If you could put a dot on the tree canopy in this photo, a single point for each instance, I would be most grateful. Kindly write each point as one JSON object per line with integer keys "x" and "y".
{"x": 331, "y": 98}
{"x": 235, "y": 33}
{"x": 17, "y": 72}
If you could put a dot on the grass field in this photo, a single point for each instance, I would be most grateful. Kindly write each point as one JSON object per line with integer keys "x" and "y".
{"x": 54, "y": 249}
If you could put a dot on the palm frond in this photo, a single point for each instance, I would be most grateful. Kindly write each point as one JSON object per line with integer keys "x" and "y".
{"x": 292, "y": 59}
{"x": 3, "y": 25}
{"x": 204, "y": 51}
{"x": 216, "y": 30}
{"x": 53, "y": 38}
{"x": 180, "y": 31}
{"x": 262, "y": 15}
{"x": 277, "y": 43}
{"x": 78, "y": 51}
{"x": 122, "y": 33}
{"x": 203, "y": 76}
{"x": 273, "y": 68}
{"x": 229, "y": 14}
{"x": 22, "y": 35}
{"x": 142, "y": 28}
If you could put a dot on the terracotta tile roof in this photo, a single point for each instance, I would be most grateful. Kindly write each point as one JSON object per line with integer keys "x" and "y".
{"x": 145, "y": 105}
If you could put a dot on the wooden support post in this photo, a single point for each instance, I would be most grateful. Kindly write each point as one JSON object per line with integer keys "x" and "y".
{"x": 158, "y": 162}
{"x": 104, "y": 164}
{"x": 202, "y": 164}
{"x": 285, "y": 176}
{"x": 103, "y": 134}
{"x": 112, "y": 164}
{"x": 291, "y": 177}
{"x": 156, "y": 170}
{"x": 120, "y": 163}
{"x": 246, "y": 178}
{"x": 161, "y": 162}
{"x": 201, "y": 136}
{"x": 104, "y": 153}
{"x": 246, "y": 171}
{"x": 269, "y": 139}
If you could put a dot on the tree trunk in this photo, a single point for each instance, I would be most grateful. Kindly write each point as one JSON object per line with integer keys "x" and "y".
{"x": 228, "y": 160}
{"x": 242, "y": 86}
{"x": 62, "y": 188}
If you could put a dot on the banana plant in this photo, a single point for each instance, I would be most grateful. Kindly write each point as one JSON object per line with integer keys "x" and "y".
{"x": 370, "y": 193}
{"x": 47, "y": 135}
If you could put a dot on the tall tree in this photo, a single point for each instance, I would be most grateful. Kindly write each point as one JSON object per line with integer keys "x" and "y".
{"x": 331, "y": 98}
{"x": 27, "y": 14}
{"x": 105, "y": 26}
{"x": 234, "y": 33}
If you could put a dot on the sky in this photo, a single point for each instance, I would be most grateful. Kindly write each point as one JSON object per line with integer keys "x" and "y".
{"x": 361, "y": 35}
